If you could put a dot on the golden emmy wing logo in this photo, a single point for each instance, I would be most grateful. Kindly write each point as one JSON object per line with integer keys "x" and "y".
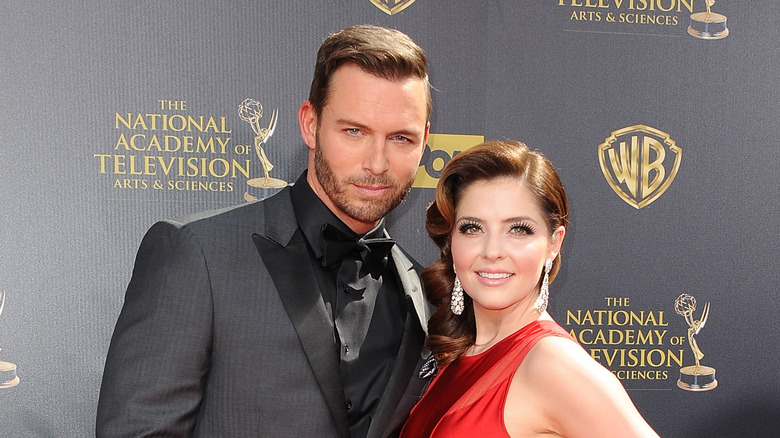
{"x": 639, "y": 163}
{"x": 391, "y": 7}
{"x": 251, "y": 111}
{"x": 695, "y": 377}
{"x": 438, "y": 152}
{"x": 708, "y": 25}
{"x": 8, "y": 377}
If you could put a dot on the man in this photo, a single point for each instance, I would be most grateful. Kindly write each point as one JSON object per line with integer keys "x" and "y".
{"x": 293, "y": 316}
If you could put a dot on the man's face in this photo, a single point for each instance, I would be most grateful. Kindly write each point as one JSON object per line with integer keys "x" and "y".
{"x": 367, "y": 145}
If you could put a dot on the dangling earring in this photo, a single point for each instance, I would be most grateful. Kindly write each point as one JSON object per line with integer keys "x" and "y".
{"x": 456, "y": 300}
{"x": 544, "y": 293}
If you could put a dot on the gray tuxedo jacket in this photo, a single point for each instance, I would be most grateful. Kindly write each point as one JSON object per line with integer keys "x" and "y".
{"x": 224, "y": 333}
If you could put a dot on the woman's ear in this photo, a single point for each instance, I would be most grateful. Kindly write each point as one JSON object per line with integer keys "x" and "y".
{"x": 557, "y": 241}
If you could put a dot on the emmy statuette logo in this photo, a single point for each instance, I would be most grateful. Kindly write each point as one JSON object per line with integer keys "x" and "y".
{"x": 8, "y": 377}
{"x": 696, "y": 377}
{"x": 391, "y": 7}
{"x": 708, "y": 25}
{"x": 251, "y": 111}
{"x": 639, "y": 163}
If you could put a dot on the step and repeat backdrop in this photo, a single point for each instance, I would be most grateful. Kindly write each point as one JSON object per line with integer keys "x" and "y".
{"x": 662, "y": 117}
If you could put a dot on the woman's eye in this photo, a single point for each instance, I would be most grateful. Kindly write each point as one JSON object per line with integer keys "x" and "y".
{"x": 521, "y": 229}
{"x": 469, "y": 228}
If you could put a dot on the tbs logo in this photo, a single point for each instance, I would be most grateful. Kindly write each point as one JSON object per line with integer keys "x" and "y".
{"x": 438, "y": 152}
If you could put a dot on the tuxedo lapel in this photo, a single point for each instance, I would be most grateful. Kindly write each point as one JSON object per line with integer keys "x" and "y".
{"x": 410, "y": 280}
{"x": 392, "y": 411}
{"x": 286, "y": 257}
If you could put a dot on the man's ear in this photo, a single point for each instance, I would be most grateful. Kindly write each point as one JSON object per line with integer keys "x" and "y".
{"x": 427, "y": 131}
{"x": 307, "y": 119}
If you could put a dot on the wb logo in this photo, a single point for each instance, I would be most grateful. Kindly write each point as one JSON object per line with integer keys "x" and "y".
{"x": 391, "y": 7}
{"x": 639, "y": 163}
{"x": 438, "y": 152}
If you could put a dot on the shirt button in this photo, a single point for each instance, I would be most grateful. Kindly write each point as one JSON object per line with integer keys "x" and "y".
{"x": 349, "y": 405}
{"x": 346, "y": 348}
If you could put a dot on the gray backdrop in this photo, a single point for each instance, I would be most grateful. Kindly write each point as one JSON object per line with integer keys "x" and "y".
{"x": 560, "y": 75}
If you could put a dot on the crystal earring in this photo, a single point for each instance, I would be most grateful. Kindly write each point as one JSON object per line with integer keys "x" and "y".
{"x": 544, "y": 293}
{"x": 456, "y": 300}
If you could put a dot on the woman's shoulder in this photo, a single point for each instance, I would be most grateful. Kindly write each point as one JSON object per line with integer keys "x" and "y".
{"x": 555, "y": 360}
{"x": 575, "y": 392}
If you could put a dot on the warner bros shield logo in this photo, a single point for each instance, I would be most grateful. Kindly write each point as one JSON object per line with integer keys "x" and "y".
{"x": 639, "y": 163}
{"x": 391, "y": 7}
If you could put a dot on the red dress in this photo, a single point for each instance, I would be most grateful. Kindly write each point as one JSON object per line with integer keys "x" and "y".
{"x": 466, "y": 398}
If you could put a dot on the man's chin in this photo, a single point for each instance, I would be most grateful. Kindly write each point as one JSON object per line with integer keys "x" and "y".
{"x": 370, "y": 210}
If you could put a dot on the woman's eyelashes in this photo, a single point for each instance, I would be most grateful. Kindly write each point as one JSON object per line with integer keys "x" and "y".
{"x": 522, "y": 228}
{"x": 468, "y": 226}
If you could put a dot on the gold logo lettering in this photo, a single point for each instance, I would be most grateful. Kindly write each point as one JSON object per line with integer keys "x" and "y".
{"x": 634, "y": 162}
{"x": 391, "y": 7}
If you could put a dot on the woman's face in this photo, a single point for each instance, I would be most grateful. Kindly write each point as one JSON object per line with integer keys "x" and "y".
{"x": 500, "y": 242}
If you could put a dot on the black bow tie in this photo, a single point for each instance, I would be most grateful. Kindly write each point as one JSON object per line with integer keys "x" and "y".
{"x": 374, "y": 252}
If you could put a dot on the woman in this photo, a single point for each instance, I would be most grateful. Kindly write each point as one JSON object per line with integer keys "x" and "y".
{"x": 506, "y": 368}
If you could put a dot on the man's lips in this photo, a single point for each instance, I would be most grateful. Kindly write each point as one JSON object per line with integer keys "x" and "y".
{"x": 373, "y": 190}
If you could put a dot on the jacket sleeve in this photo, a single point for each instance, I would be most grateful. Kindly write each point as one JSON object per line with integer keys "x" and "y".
{"x": 159, "y": 354}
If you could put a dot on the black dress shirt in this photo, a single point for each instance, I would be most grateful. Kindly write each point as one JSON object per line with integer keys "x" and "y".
{"x": 368, "y": 324}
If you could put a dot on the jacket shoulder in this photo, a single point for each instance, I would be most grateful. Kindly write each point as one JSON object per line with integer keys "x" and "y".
{"x": 253, "y": 215}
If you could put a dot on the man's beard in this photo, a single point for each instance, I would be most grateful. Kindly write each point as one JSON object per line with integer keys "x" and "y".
{"x": 362, "y": 209}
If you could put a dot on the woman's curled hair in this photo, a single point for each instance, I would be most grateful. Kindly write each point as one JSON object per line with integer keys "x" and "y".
{"x": 450, "y": 335}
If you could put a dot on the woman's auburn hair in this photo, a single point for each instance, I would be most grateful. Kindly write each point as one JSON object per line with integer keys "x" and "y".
{"x": 450, "y": 335}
